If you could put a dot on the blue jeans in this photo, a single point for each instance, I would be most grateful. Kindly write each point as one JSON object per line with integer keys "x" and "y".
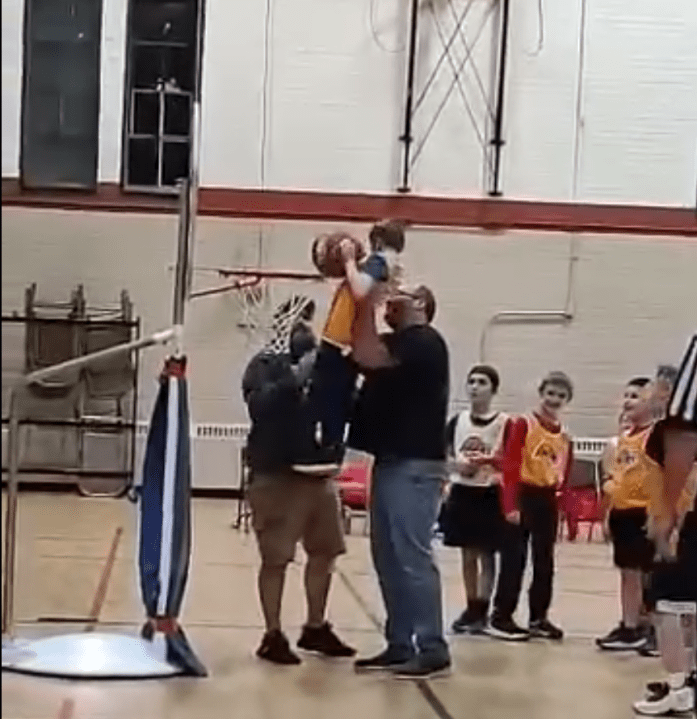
{"x": 403, "y": 512}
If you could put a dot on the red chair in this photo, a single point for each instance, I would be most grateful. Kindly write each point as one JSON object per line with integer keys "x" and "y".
{"x": 582, "y": 500}
{"x": 353, "y": 481}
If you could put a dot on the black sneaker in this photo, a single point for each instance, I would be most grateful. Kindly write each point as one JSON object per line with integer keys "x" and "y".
{"x": 544, "y": 629}
{"x": 650, "y": 647}
{"x": 384, "y": 661}
{"x": 275, "y": 648}
{"x": 507, "y": 629}
{"x": 462, "y": 624}
{"x": 611, "y": 635}
{"x": 473, "y": 619}
{"x": 422, "y": 668}
{"x": 622, "y": 639}
{"x": 323, "y": 640}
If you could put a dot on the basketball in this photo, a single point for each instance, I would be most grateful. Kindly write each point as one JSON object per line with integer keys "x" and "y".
{"x": 326, "y": 253}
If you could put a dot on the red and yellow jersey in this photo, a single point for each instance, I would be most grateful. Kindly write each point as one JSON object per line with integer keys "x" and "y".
{"x": 537, "y": 453}
{"x": 632, "y": 472}
{"x": 545, "y": 455}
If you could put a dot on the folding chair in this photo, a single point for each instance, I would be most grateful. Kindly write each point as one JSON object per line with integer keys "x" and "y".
{"x": 244, "y": 511}
{"x": 582, "y": 500}
{"x": 353, "y": 482}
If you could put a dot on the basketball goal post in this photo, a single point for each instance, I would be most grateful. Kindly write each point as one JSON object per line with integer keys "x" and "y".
{"x": 121, "y": 656}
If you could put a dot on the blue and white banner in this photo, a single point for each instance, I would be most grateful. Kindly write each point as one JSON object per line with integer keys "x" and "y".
{"x": 165, "y": 516}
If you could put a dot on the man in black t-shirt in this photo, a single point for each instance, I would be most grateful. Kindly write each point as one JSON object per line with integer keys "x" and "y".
{"x": 400, "y": 418}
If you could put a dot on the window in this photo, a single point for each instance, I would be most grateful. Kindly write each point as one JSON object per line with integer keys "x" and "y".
{"x": 162, "y": 82}
{"x": 60, "y": 102}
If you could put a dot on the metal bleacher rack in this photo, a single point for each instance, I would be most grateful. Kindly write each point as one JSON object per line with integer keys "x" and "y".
{"x": 80, "y": 427}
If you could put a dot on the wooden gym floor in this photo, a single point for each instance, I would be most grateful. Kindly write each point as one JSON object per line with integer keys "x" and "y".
{"x": 64, "y": 548}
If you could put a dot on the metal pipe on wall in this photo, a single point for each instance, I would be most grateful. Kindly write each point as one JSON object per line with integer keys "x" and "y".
{"x": 406, "y": 137}
{"x": 524, "y": 316}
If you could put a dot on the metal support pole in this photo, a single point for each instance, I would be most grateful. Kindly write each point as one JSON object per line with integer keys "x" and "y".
{"x": 406, "y": 136}
{"x": 497, "y": 141}
{"x": 181, "y": 272}
{"x": 11, "y": 518}
{"x": 13, "y": 456}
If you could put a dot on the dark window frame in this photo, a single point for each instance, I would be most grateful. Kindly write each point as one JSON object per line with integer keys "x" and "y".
{"x": 165, "y": 92}
{"x": 25, "y": 105}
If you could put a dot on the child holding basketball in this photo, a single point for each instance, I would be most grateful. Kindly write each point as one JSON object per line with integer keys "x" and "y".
{"x": 335, "y": 374}
{"x": 627, "y": 498}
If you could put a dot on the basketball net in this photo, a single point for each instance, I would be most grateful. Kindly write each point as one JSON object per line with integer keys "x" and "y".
{"x": 265, "y": 322}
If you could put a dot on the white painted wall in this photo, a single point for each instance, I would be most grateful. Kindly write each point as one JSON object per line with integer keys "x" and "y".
{"x": 335, "y": 98}
{"x": 12, "y": 24}
{"x": 633, "y": 305}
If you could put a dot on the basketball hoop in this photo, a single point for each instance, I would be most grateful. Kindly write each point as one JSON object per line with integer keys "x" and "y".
{"x": 266, "y": 313}
{"x": 250, "y": 296}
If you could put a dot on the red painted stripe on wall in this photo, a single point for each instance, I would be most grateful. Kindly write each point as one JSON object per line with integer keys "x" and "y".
{"x": 485, "y": 213}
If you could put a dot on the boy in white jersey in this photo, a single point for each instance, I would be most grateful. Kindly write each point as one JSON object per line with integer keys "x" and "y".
{"x": 471, "y": 517}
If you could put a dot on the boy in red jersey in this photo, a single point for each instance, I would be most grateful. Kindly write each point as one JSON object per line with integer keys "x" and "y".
{"x": 536, "y": 466}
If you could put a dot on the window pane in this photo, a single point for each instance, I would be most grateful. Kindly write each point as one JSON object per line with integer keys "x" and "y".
{"x": 177, "y": 114}
{"x": 175, "y": 162}
{"x": 142, "y": 161}
{"x": 162, "y": 63}
{"x": 146, "y": 113}
{"x": 170, "y": 21}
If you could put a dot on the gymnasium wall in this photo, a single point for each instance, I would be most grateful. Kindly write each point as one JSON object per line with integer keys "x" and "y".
{"x": 634, "y": 299}
{"x": 604, "y": 109}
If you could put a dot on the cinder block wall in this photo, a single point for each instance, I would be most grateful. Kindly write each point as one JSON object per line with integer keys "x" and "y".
{"x": 634, "y": 299}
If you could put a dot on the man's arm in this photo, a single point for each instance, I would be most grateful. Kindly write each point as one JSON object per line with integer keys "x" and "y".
{"x": 369, "y": 351}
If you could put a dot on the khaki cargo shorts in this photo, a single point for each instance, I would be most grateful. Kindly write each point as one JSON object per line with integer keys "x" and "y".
{"x": 289, "y": 508}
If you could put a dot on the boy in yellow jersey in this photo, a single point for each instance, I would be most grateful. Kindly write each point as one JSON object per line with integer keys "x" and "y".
{"x": 335, "y": 373}
{"x": 537, "y": 460}
{"x": 627, "y": 496}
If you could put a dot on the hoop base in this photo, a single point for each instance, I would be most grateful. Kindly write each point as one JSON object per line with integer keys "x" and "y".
{"x": 87, "y": 656}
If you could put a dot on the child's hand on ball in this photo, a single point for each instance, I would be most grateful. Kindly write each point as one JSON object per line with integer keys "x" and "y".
{"x": 348, "y": 250}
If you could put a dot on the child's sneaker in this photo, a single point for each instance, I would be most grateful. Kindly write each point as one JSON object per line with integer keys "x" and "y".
{"x": 621, "y": 639}
{"x": 661, "y": 699}
{"x": 544, "y": 629}
{"x": 650, "y": 648}
{"x": 507, "y": 629}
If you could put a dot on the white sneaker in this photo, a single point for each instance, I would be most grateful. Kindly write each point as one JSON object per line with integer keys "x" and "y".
{"x": 661, "y": 700}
